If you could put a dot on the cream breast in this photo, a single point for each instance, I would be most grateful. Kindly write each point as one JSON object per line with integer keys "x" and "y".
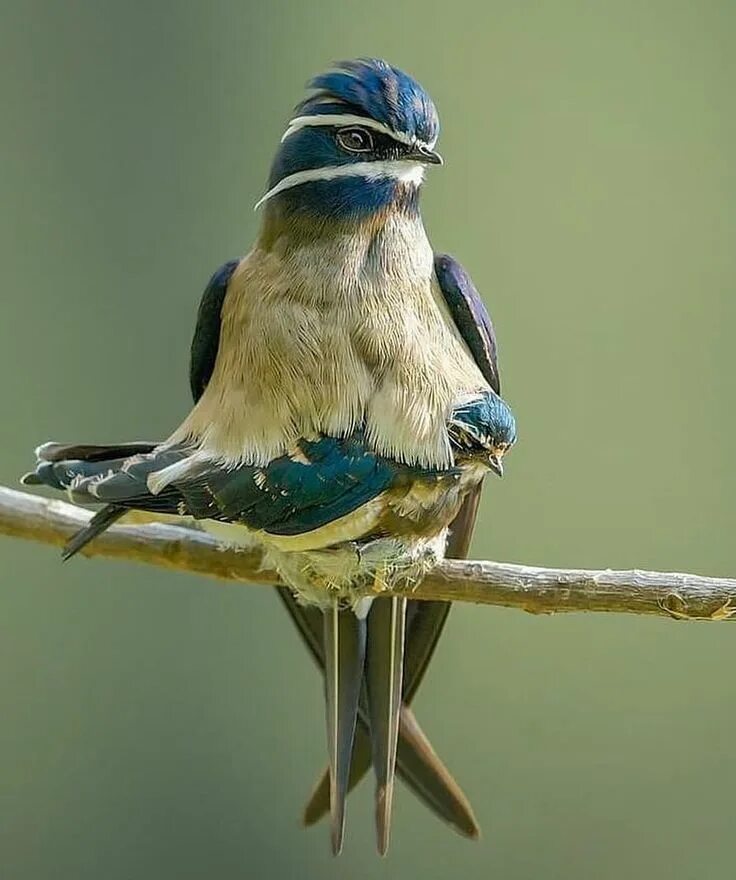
{"x": 324, "y": 335}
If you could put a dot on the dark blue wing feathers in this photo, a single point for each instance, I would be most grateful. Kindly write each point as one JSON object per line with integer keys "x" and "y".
{"x": 336, "y": 477}
{"x": 206, "y": 339}
{"x": 470, "y": 316}
{"x": 323, "y": 481}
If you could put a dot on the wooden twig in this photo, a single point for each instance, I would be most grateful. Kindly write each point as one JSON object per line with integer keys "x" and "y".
{"x": 531, "y": 588}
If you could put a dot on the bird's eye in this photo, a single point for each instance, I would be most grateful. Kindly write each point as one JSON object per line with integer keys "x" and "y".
{"x": 355, "y": 140}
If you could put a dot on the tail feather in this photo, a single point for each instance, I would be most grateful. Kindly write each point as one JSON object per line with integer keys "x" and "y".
{"x": 419, "y": 767}
{"x": 417, "y": 762}
{"x": 344, "y": 640}
{"x": 99, "y": 523}
{"x": 432, "y": 780}
{"x": 318, "y": 804}
{"x": 384, "y": 676}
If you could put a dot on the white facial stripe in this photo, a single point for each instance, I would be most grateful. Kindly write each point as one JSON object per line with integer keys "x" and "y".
{"x": 403, "y": 171}
{"x": 348, "y": 119}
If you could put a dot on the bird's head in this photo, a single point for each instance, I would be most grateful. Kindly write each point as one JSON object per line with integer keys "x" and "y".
{"x": 501, "y": 429}
{"x": 484, "y": 424}
{"x": 359, "y": 143}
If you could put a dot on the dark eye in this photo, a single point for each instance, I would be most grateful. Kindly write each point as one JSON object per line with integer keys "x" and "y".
{"x": 355, "y": 140}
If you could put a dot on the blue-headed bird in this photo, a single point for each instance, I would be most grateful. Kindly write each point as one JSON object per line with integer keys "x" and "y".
{"x": 347, "y": 408}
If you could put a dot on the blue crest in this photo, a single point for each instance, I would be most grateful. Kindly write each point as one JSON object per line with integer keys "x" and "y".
{"x": 311, "y": 172}
{"x": 373, "y": 88}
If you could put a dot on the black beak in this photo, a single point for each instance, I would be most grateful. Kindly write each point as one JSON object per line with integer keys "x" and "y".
{"x": 496, "y": 464}
{"x": 422, "y": 153}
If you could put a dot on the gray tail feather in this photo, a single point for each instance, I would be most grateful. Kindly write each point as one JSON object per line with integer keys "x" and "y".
{"x": 99, "y": 523}
{"x": 419, "y": 767}
{"x": 344, "y": 641}
{"x": 384, "y": 677}
{"x": 417, "y": 763}
{"x": 431, "y": 779}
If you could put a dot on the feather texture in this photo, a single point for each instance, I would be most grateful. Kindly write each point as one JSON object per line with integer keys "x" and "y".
{"x": 470, "y": 316}
{"x": 305, "y": 311}
{"x": 346, "y": 411}
{"x": 206, "y": 339}
{"x": 373, "y": 88}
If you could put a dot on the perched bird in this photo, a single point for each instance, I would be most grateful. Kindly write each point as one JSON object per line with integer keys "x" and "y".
{"x": 346, "y": 411}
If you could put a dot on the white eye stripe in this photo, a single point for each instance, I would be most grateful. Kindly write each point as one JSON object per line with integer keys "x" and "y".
{"x": 301, "y": 122}
{"x": 402, "y": 171}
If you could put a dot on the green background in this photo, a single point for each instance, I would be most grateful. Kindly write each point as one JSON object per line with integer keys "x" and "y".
{"x": 155, "y": 725}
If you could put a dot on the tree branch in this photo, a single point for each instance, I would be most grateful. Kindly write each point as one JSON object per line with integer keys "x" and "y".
{"x": 533, "y": 589}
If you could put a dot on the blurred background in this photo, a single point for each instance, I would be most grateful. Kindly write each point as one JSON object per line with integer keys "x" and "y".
{"x": 157, "y": 725}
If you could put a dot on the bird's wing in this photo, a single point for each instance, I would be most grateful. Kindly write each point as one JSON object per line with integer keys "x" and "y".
{"x": 470, "y": 316}
{"x": 206, "y": 339}
{"x": 321, "y": 481}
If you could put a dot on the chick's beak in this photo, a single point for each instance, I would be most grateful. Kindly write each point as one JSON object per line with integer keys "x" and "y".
{"x": 422, "y": 153}
{"x": 496, "y": 465}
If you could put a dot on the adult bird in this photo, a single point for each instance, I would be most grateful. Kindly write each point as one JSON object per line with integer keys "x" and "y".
{"x": 347, "y": 410}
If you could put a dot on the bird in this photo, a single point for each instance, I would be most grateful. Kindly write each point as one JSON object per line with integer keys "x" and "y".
{"x": 347, "y": 408}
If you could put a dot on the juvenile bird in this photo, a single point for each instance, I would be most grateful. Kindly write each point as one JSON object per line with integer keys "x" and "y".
{"x": 347, "y": 410}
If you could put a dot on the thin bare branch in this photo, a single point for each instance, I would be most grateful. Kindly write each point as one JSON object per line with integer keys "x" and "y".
{"x": 531, "y": 588}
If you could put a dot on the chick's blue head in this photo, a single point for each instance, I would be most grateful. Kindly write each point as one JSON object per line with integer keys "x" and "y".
{"x": 357, "y": 144}
{"x": 502, "y": 424}
{"x": 501, "y": 431}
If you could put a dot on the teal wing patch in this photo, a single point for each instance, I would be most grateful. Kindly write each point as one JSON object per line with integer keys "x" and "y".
{"x": 321, "y": 481}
